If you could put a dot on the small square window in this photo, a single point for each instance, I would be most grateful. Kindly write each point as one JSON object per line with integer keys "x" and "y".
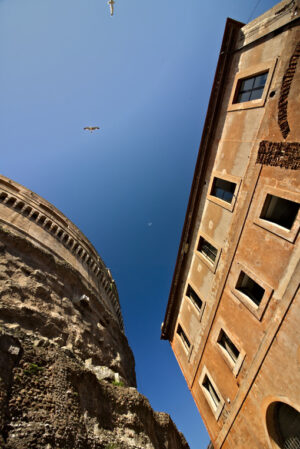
{"x": 280, "y": 211}
{"x": 211, "y": 393}
{"x": 250, "y": 288}
{"x": 232, "y": 354}
{"x": 251, "y": 88}
{"x": 192, "y": 295}
{"x": 228, "y": 346}
{"x": 215, "y": 400}
{"x": 251, "y": 85}
{"x": 208, "y": 250}
{"x": 183, "y": 337}
{"x": 223, "y": 189}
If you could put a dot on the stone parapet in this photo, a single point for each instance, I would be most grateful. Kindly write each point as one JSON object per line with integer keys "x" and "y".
{"x": 41, "y": 222}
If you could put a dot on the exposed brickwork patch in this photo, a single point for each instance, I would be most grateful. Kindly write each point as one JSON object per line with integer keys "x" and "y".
{"x": 279, "y": 154}
{"x": 284, "y": 92}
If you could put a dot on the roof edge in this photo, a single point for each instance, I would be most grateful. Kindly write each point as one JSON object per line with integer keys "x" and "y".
{"x": 232, "y": 28}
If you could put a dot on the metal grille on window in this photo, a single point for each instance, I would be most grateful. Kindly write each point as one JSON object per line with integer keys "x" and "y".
{"x": 207, "y": 249}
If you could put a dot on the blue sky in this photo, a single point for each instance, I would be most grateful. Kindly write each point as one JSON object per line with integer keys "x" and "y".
{"x": 144, "y": 76}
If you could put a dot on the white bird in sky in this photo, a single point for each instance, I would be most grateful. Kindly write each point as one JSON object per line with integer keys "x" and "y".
{"x": 111, "y": 4}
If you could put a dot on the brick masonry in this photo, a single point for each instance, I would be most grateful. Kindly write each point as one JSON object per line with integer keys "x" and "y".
{"x": 279, "y": 154}
{"x": 284, "y": 93}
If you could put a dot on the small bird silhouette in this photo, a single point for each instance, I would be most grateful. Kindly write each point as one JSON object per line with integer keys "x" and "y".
{"x": 91, "y": 128}
{"x": 111, "y": 4}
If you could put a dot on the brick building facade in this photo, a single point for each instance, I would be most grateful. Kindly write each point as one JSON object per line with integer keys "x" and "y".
{"x": 233, "y": 312}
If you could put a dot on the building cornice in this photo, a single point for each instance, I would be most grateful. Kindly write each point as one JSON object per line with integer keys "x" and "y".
{"x": 231, "y": 33}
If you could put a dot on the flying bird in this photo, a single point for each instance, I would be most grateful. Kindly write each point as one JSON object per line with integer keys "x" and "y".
{"x": 91, "y": 128}
{"x": 111, "y": 4}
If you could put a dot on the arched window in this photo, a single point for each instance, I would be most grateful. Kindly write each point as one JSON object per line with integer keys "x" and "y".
{"x": 283, "y": 423}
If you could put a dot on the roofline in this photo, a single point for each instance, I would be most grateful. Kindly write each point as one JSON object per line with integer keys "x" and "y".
{"x": 231, "y": 32}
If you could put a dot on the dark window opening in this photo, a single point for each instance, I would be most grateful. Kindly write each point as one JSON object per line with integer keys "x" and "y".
{"x": 223, "y": 189}
{"x": 183, "y": 337}
{"x": 283, "y": 423}
{"x": 251, "y": 88}
{"x": 207, "y": 249}
{"x": 60, "y": 233}
{"x": 211, "y": 391}
{"x": 19, "y": 206}
{"x": 225, "y": 342}
{"x": 11, "y": 202}
{"x": 41, "y": 220}
{"x": 3, "y": 196}
{"x": 190, "y": 293}
{"x": 279, "y": 211}
{"x": 27, "y": 211}
{"x": 250, "y": 288}
{"x": 34, "y": 216}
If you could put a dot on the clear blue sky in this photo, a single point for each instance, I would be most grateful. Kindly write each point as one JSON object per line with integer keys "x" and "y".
{"x": 144, "y": 76}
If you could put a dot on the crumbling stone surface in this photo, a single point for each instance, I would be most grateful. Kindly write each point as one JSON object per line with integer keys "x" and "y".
{"x": 67, "y": 376}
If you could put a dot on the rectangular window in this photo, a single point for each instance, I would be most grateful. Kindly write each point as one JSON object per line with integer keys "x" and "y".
{"x": 228, "y": 346}
{"x": 208, "y": 250}
{"x": 280, "y": 211}
{"x": 250, "y": 288}
{"x": 192, "y": 295}
{"x": 215, "y": 400}
{"x": 250, "y": 88}
{"x": 183, "y": 337}
{"x": 223, "y": 189}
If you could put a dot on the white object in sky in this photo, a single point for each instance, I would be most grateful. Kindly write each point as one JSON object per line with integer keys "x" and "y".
{"x": 111, "y": 4}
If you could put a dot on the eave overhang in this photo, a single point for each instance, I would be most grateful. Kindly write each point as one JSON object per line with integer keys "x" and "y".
{"x": 231, "y": 33}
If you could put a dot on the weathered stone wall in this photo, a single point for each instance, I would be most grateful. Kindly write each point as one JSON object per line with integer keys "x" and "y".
{"x": 67, "y": 377}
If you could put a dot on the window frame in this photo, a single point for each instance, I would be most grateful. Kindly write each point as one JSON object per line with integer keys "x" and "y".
{"x": 235, "y": 367}
{"x": 211, "y": 265}
{"x": 259, "y": 310}
{"x": 215, "y": 410}
{"x": 187, "y": 350}
{"x": 287, "y": 234}
{"x": 225, "y": 177}
{"x": 189, "y": 301}
{"x": 248, "y": 73}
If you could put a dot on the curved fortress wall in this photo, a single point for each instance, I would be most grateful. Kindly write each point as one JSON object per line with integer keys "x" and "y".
{"x": 67, "y": 377}
{"x": 46, "y": 226}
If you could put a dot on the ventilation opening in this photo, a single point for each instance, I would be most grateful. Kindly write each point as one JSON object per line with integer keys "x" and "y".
{"x": 223, "y": 189}
{"x": 211, "y": 391}
{"x": 60, "y": 233}
{"x": 19, "y": 206}
{"x": 41, "y": 220}
{"x": 208, "y": 250}
{"x": 183, "y": 337}
{"x": 3, "y": 196}
{"x": 34, "y": 216}
{"x": 279, "y": 211}
{"x": 192, "y": 295}
{"x": 250, "y": 288}
{"x": 228, "y": 346}
{"x": 11, "y": 202}
{"x": 27, "y": 211}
